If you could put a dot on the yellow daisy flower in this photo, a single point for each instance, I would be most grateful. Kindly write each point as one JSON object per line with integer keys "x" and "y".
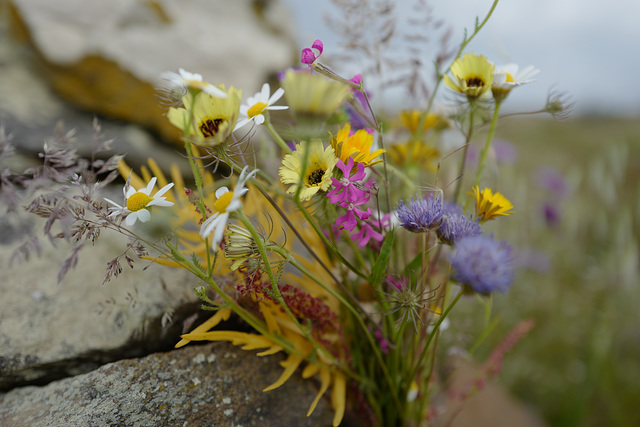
{"x": 317, "y": 175}
{"x": 212, "y": 118}
{"x": 411, "y": 119}
{"x": 356, "y": 146}
{"x": 414, "y": 152}
{"x": 472, "y": 75}
{"x": 313, "y": 94}
{"x": 489, "y": 205}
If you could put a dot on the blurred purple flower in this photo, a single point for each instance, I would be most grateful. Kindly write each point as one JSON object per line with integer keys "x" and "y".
{"x": 455, "y": 225}
{"x": 552, "y": 180}
{"x": 506, "y": 152}
{"x": 483, "y": 264}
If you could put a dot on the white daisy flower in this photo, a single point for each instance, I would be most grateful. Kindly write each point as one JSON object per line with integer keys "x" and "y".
{"x": 226, "y": 202}
{"x": 508, "y": 76}
{"x": 137, "y": 201}
{"x": 259, "y": 103}
{"x": 184, "y": 80}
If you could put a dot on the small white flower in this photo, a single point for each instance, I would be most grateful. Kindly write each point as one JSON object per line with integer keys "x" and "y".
{"x": 184, "y": 79}
{"x": 259, "y": 103}
{"x": 136, "y": 202}
{"x": 509, "y": 76}
{"x": 226, "y": 202}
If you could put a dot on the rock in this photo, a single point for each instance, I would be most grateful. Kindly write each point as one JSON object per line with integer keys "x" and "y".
{"x": 107, "y": 56}
{"x": 198, "y": 385}
{"x": 31, "y": 112}
{"x": 50, "y": 330}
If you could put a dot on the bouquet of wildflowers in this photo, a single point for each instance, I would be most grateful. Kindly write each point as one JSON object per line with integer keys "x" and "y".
{"x": 347, "y": 244}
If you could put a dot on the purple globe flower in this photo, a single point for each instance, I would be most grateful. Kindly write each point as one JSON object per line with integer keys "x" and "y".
{"x": 483, "y": 264}
{"x": 455, "y": 225}
{"x": 420, "y": 215}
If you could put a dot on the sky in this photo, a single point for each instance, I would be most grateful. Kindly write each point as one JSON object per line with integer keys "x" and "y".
{"x": 589, "y": 49}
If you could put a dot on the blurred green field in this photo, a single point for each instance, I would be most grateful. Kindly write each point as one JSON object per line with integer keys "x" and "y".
{"x": 580, "y": 366}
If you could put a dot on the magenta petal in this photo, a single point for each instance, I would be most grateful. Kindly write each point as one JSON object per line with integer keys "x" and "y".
{"x": 362, "y": 214}
{"x": 307, "y": 56}
{"x": 357, "y": 79}
{"x": 318, "y": 45}
{"x": 358, "y": 176}
{"x": 348, "y": 221}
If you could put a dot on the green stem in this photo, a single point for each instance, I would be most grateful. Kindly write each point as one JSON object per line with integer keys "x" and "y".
{"x": 197, "y": 176}
{"x": 275, "y": 135}
{"x": 326, "y": 241}
{"x": 276, "y": 289}
{"x": 435, "y": 329}
{"x": 487, "y": 144}
{"x": 418, "y": 133}
{"x": 463, "y": 162}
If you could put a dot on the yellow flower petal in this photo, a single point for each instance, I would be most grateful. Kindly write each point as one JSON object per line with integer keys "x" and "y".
{"x": 325, "y": 380}
{"x": 356, "y": 146}
{"x": 222, "y": 314}
{"x": 489, "y": 205}
{"x": 272, "y": 325}
{"x": 338, "y": 398}
{"x": 290, "y": 365}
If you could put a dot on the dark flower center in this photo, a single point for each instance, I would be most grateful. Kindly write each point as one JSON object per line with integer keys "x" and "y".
{"x": 315, "y": 177}
{"x": 475, "y": 82}
{"x": 209, "y": 127}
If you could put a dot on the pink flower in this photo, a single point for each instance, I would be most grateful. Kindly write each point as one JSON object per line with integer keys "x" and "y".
{"x": 357, "y": 79}
{"x": 347, "y": 190}
{"x": 348, "y": 221}
{"x": 309, "y": 55}
{"x": 365, "y": 234}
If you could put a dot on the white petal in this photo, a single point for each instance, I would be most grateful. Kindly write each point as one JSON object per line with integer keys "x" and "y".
{"x": 276, "y": 96}
{"x": 207, "y": 226}
{"x": 234, "y": 205}
{"x": 143, "y": 215}
{"x": 131, "y": 218}
{"x": 259, "y": 119}
{"x": 214, "y": 91}
{"x": 220, "y": 191}
{"x": 149, "y": 186}
{"x": 160, "y": 202}
{"x": 499, "y": 78}
{"x": 189, "y": 76}
{"x": 242, "y": 123}
{"x": 113, "y": 203}
{"x": 218, "y": 235}
{"x": 163, "y": 190}
{"x": 278, "y": 107}
{"x": 264, "y": 93}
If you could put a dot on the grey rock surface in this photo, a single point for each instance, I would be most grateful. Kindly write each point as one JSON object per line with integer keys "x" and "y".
{"x": 236, "y": 42}
{"x": 199, "y": 385}
{"x": 50, "y": 330}
{"x": 107, "y": 57}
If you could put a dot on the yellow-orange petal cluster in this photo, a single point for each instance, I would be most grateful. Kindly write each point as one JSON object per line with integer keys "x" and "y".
{"x": 490, "y": 205}
{"x": 356, "y": 146}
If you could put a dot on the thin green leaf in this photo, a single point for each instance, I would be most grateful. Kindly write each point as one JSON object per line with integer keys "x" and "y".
{"x": 380, "y": 266}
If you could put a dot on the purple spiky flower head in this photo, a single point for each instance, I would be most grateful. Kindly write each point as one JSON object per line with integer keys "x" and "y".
{"x": 422, "y": 214}
{"x": 483, "y": 264}
{"x": 455, "y": 225}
